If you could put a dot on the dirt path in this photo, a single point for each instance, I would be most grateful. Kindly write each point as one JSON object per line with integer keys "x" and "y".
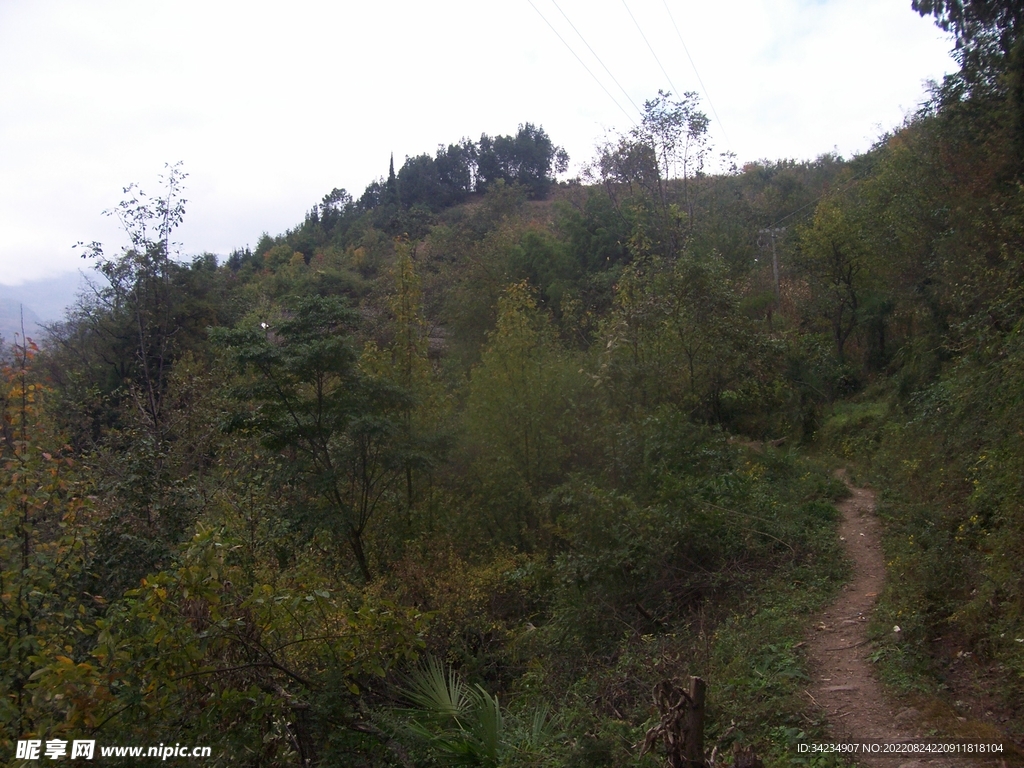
{"x": 844, "y": 684}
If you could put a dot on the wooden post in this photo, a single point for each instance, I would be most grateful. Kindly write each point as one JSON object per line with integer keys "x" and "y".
{"x": 682, "y": 724}
{"x": 695, "y": 724}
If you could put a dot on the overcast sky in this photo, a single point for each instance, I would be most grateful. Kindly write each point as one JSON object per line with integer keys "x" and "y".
{"x": 271, "y": 105}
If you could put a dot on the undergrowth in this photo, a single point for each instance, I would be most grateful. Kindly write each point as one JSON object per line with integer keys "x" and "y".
{"x": 946, "y": 465}
{"x": 636, "y": 594}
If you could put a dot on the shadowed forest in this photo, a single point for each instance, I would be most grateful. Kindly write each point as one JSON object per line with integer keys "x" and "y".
{"x": 457, "y": 471}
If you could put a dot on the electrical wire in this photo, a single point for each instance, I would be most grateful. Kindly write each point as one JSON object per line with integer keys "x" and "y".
{"x": 580, "y": 35}
{"x": 628, "y": 116}
{"x": 692, "y": 64}
{"x": 842, "y": 188}
{"x": 669, "y": 79}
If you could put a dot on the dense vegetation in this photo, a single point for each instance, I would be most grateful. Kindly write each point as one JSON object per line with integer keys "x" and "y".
{"x": 458, "y": 471}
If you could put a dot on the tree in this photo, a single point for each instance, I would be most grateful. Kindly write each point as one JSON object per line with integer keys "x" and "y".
{"x": 336, "y": 207}
{"x": 391, "y": 193}
{"x": 404, "y": 361}
{"x": 212, "y": 650}
{"x": 438, "y": 182}
{"x": 671, "y": 142}
{"x": 136, "y": 314}
{"x": 631, "y": 163}
{"x": 46, "y": 542}
{"x": 521, "y": 399}
{"x": 308, "y": 398}
{"x": 673, "y": 336}
{"x": 526, "y": 158}
{"x": 978, "y": 25}
{"x": 677, "y": 133}
{"x": 115, "y": 363}
{"x": 456, "y": 169}
{"x": 990, "y": 49}
{"x": 834, "y": 258}
{"x": 419, "y": 183}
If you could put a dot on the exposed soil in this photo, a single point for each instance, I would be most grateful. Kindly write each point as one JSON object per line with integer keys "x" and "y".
{"x": 844, "y": 684}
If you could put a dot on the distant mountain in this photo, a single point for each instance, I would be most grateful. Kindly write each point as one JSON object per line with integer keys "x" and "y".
{"x": 43, "y": 301}
{"x": 49, "y": 297}
{"x": 12, "y": 313}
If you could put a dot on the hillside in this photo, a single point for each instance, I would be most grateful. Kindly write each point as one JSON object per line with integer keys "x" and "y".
{"x": 460, "y": 471}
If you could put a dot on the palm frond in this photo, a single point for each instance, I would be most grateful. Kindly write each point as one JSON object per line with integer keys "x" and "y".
{"x": 438, "y": 692}
{"x": 488, "y": 726}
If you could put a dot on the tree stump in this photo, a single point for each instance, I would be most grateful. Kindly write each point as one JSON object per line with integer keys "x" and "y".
{"x": 682, "y": 724}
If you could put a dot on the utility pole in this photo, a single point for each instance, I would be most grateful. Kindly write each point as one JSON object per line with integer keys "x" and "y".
{"x": 773, "y": 233}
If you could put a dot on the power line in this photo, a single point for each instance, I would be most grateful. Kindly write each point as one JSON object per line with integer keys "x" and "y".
{"x": 815, "y": 201}
{"x": 628, "y": 116}
{"x": 669, "y": 79}
{"x": 692, "y": 64}
{"x": 625, "y": 93}
{"x": 842, "y": 188}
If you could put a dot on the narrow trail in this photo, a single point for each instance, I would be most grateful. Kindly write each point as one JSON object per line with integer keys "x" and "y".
{"x": 844, "y": 683}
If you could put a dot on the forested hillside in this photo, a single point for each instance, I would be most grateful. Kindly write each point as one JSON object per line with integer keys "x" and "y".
{"x": 457, "y": 471}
